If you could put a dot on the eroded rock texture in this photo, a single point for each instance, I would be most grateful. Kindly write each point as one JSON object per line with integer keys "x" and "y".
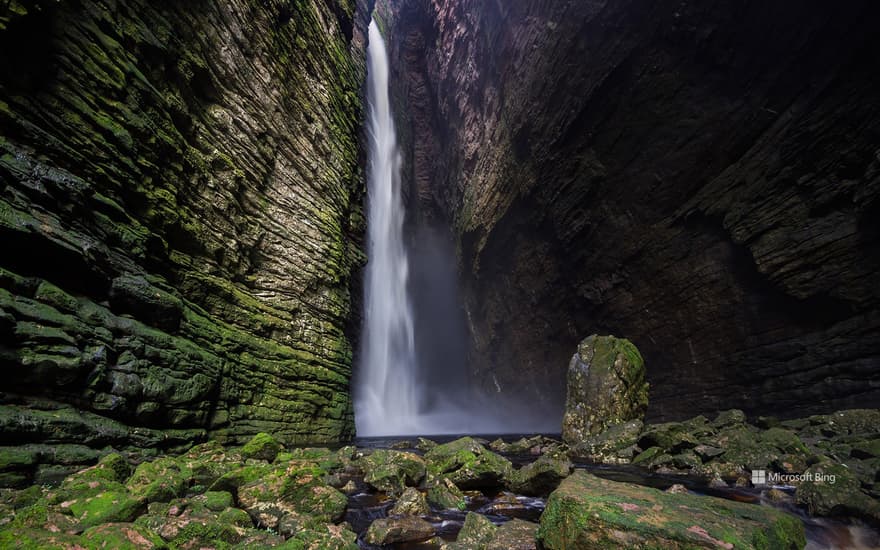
{"x": 180, "y": 213}
{"x": 701, "y": 178}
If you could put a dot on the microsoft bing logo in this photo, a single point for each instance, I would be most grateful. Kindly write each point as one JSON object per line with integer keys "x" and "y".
{"x": 759, "y": 477}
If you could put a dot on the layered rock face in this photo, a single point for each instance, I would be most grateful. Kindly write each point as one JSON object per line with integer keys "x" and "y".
{"x": 180, "y": 213}
{"x": 702, "y": 179}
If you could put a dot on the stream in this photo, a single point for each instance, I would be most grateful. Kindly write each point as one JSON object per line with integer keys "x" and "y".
{"x": 366, "y": 505}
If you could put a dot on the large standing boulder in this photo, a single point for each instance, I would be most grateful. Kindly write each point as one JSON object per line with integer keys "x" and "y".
{"x": 588, "y": 512}
{"x": 606, "y": 386}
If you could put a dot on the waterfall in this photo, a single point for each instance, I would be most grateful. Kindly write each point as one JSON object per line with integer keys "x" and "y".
{"x": 398, "y": 391}
{"x": 385, "y": 397}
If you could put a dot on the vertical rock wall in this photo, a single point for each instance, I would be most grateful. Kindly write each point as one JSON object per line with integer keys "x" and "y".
{"x": 701, "y": 178}
{"x": 181, "y": 225}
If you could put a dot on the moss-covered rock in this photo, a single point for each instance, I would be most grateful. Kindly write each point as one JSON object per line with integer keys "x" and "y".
{"x": 262, "y": 447}
{"x": 587, "y": 512}
{"x": 411, "y": 503}
{"x": 615, "y": 445}
{"x": 391, "y": 471}
{"x": 124, "y": 536}
{"x": 160, "y": 480}
{"x": 476, "y": 532}
{"x": 444, "y": 494}
{"x": 831, "y": 489}
{"x": 399, "y": 529}
{"x": 515, "y": 534}
{"x": 468, "y": 464}
{"x": 295, "y": 488}
{"x": 540, "y": 477}
{"x": 605, "y": 386}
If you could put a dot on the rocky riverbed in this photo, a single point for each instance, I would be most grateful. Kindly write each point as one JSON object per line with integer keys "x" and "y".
{"x": 510, "y": 493}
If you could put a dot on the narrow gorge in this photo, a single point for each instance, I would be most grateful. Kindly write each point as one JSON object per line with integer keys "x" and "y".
{"x": 265, "y": 263}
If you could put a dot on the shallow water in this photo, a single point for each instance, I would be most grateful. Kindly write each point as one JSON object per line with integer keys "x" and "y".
{"x": 366, "y": 505}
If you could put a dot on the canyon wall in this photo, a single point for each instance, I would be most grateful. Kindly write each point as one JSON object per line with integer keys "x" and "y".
{"x": 181, "y": 221}
{"x": 701, "y": 178}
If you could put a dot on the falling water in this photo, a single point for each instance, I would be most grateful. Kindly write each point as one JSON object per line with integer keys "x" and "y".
{"x": 399, "y": 391}
{"x": 385, "y": 400}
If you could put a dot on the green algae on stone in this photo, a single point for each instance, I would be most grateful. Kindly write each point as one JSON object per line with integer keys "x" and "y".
{"x": 605, "y": 386}
{"x": 262, "y": 447}
{"x": 539, "y": 477}
{"x": 468, "y": 464}
{"x": 476, "y": 532}
{"x": 391, "y": 471}
{"x": 588, "y": 512}
{"x": 444, "y": 494}
{"x": 160, "y": 480}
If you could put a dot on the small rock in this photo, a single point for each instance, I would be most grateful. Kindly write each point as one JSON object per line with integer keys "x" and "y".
{"x": 718, "y": 483}
{"x": 677, "y": 489}
{"x": 477, "y": 530}
{"x": 732, "y": 417}
{"x": 411, "y": 503}
{"x": 399, "y": 529}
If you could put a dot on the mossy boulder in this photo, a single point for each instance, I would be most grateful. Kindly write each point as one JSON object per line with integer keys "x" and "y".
{"x": 605, "y": 386}
{"x": 330, "y": 537}
{"x": 831, "y": 489}
{"x": 127, "y": 536}
{"x": 391, "y": 471}
{"x": 411, "y": 503}
{"x": 540, "y": 477}
{"x": 160, "y": 480}
{"x": 476, "y": 532}
{"x": 106, "y": 506}
{"x": 468, "y": 464}
{"x": 399, "y": 529}
{"x": 615, "y": 445}
{"x": 262, "y": 447}
{"x": 296, "y": 488}
{"x": 588, "y": 512}
{"x": 444, "y": 494}
{"x": 515, "y": 534}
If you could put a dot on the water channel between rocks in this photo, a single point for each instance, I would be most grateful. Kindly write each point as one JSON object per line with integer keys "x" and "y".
{"x": 366, "y": 505}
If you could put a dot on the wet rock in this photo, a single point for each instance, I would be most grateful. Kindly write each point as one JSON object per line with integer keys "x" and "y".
{"x": 476, "y": 532}
{"x": 468, "y": 464}
{"x": 677, "y": 489}
{"x": 391, "y": 471}
{"x": 731, "y": 417}
{"x": 775, "y": 495}
{"x": 425, "y": 445}
{"x": 606, "y": 386}
{"x": 718, "y": 483}
{"x": 540, "y": 477}
{"x": 296, "y": 488}
{"x": 399, "y": 529}
{"x": 122, "y": 535}
{"x": 586, "y": 512}
{"x": 328, "y": 537}
{"x": 444, "y": 494}
{"x": 615, "y": 445}
{"x": 262, "y": 447}
{"x": 160, "y": 480}
{"x": 831, "y": 489}
{"x": 411, "y": 503}
{"x": 523, "y": 445}
{"x": 515, "y": 534}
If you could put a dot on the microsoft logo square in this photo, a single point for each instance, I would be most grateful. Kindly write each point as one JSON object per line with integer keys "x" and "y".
{"x": 759, "y": 477}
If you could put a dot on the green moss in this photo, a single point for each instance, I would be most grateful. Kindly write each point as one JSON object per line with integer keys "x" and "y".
{"x": 262, "y": 447}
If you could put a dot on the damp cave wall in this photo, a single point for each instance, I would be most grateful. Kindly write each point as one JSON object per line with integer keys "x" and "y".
{"x": 181, "y": 192}
{"x": 701, "y": 178}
